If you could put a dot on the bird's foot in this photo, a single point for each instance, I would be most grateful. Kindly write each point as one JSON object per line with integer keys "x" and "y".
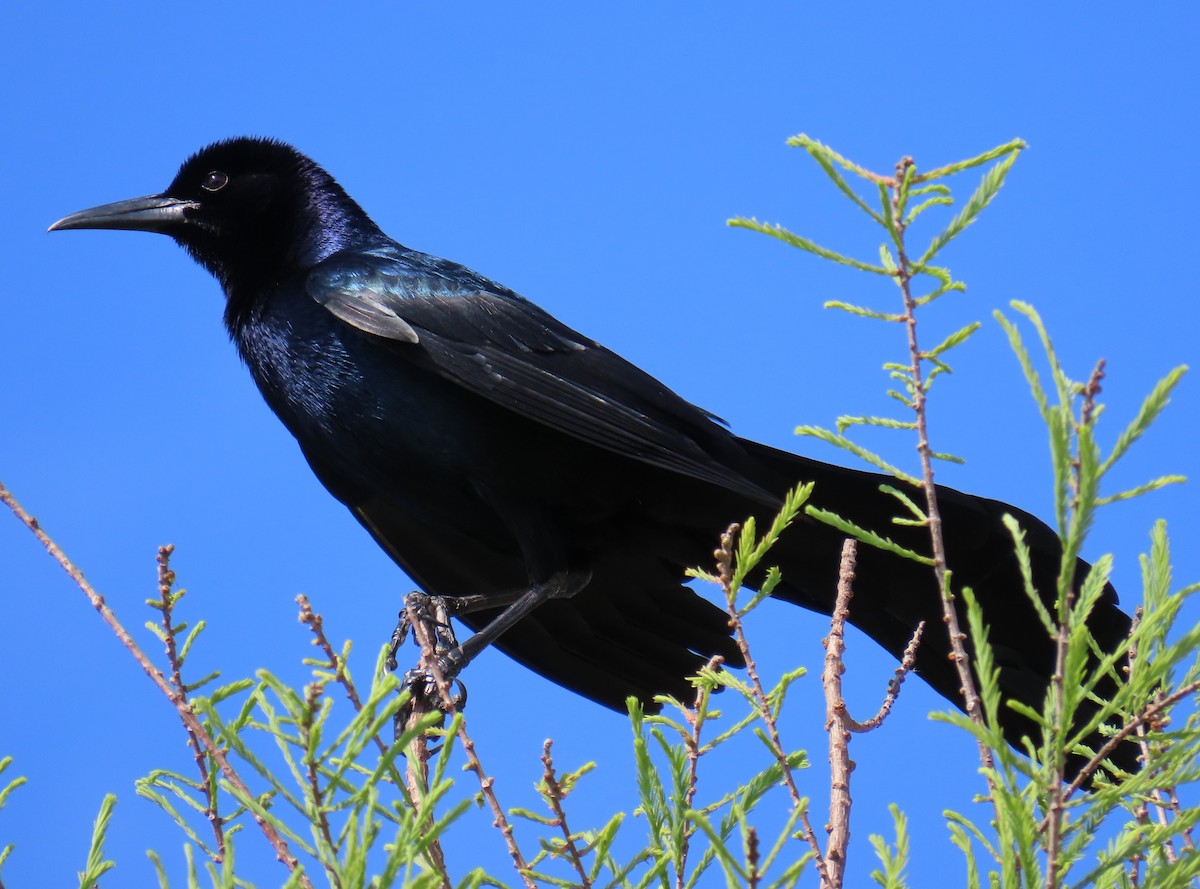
{"x": 448, "y": 658}
{"x": 425, "y": 697}
{"x": 433, "y": 612}
{"x": 439, "y": 665}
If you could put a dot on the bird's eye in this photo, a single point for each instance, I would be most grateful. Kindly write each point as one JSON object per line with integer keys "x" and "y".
{"x": 214, "y": 181}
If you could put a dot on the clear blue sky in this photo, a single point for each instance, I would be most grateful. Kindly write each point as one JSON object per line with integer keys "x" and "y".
{"x": 587, "y": 156}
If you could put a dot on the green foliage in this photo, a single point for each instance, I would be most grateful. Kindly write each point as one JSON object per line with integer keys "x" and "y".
{"x": 1042, "y": 830}
{"x": 325, "y": 775}
{"x": 895, "y": 214}
{"x": 1045, "y": 832}
{"x": 687, "y": 837}
{"x": 312, "y": 776}
{"x": 97, "y": 864}
{"x": 6, "y": 791}
{"x": 893, "y": 858}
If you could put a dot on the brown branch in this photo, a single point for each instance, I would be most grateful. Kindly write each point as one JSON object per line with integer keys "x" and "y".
{"x": 1147, "y": 717}
{"x": 840, "y": 764}
{"x": 907, "y": 662}
{"x": 725, "y": 574}
{"x": 1173, "y": 805}
{"x": 904, "y": 277}
{"x": 1057, "y": 796}
{"x": 312, "y": 697}
{"x": 429, "y": 661}
{"x": 840, "y": 724}
{"x": 1142, "y": 816}
{"x": 692, "y": 743}
{"x": 724, "y": 557}
{"x": 282, "y": 851}
{"x": 555, "y": 795}
{"x": 334, "y": 662}
{"x": 1161, "y": 806}
{"x": 314, "y": 621}
{"x": 167, "y": 599}
{"x": 752, "y": 873}
{"x": 416, "y": 778}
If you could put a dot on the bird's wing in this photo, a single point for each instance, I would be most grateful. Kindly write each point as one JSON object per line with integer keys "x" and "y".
{"x": 504, "y": 348}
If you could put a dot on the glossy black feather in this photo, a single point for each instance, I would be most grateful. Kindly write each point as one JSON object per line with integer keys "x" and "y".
{"x": 487, "y": 446}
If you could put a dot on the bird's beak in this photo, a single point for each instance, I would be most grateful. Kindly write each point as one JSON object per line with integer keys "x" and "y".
{"x": 156, "y": 213}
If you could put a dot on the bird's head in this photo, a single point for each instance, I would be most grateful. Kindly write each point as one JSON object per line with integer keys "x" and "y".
{"x": 246, "y": 209}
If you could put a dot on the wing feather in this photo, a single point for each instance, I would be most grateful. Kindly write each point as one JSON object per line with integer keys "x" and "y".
{"x": 500, "y": 346}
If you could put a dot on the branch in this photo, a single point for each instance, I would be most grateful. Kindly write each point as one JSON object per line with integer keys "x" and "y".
{"x": 904, "y": 275}
{"x": 429, "y": 661}
{"x": 166, "y": 580}
{"x": 555, "y": 795}
{"x": 840, "y": 724}
{"x": 282, "y": 851}
{"x": 724, "y": 555}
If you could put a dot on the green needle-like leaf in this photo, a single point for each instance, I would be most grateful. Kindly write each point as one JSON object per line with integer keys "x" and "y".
{"x": 778, "y": 231}
{"x": 992, "y": 180}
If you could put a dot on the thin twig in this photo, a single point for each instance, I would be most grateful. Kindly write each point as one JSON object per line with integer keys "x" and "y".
{"x": 1161, "y": 807}
{"x": 840, "y": 766}
{"x": 904, "y": 277}
{"x": 752, "y": 875}
{"x": 416, "y": 777}
{"x": 907, "y": 662}
{"x": 1186, "y": 833}
{"x": 555, "y": 795}
{"x": 840, "y": 724}
{"x": 429, "y": 661}
{"x": 1057, "y": 801}
{"x": 1141, "y": 815}
{"x": 1056, "y": 804}
{"x": 166, "y": 598}
{"x": 282, "y": 851}
{"x": 692, "y": 744}
{"x": 724, "y": 557}
{"x": 334, "y": 662}
{"x": 1142, "y": 812}
{"x": 436, "y": 858}
{"x": 316, "y": 623}
{"x": 1147, "y": 717}
{"x": 312, "y": 697}
{"x": 725, "y": 574}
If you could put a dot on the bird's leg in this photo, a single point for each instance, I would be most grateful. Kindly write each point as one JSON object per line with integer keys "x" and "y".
{"x": 562, "y": 585}
{"x": 435, "y": 613}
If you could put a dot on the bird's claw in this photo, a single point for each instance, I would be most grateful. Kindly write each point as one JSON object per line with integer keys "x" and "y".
{"x": 422, "y": 682}
{"x": 434, "y": 614}
{"x": 422, "y": 685}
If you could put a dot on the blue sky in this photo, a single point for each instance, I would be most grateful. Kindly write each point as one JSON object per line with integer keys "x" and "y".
{"x": 588, "y": 157}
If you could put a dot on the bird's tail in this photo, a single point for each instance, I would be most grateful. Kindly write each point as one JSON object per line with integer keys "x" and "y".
{"x": 892, "y": 595}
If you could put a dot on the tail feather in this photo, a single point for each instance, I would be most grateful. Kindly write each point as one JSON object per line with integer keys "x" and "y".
{"x": 891, "y": 595}
{"x": 635, "y": 630}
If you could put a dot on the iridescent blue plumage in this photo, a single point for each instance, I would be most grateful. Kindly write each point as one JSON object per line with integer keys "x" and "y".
{"x": 488, "y": 448}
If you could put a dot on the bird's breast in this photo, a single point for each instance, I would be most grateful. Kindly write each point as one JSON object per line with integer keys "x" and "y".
{"x": 355, "y": 398}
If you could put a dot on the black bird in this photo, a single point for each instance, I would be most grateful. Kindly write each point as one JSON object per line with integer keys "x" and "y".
{"x": 490, "y": 449}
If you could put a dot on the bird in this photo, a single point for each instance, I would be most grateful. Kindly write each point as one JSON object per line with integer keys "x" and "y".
{"x": 501, "y": 457}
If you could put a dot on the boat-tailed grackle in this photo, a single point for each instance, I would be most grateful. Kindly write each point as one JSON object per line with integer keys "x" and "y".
{"x": 493, "y": 451}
